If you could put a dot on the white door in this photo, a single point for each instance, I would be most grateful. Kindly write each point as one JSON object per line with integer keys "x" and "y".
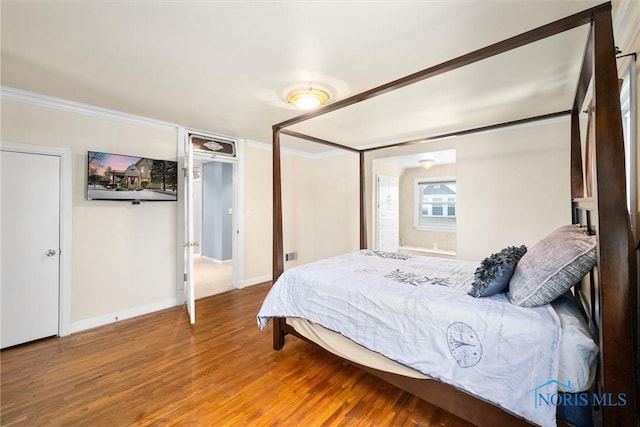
{"x": 29, "y": 290}
{"x": 189, "y": 241}
{"x": 388, "y": 217}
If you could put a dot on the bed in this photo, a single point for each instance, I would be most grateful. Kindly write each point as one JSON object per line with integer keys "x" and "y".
{"x": 606, "y": 292}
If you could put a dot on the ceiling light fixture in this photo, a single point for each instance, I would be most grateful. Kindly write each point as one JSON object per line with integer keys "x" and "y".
{"x": 426, "y": 163}
{"x": 307, "y": 99}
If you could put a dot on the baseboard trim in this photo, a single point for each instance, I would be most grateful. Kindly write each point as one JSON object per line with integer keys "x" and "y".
{"x": 216, "y": 261}
{"x": 106, "y": 319}
{"x": 414, "y": 250}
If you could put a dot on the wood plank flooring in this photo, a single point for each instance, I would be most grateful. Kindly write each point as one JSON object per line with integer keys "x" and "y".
{"x": 158, "y": 370}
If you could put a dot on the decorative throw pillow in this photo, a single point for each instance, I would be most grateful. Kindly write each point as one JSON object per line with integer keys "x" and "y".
{"x": 492, "y": 277}
{"x": 552, "y": 266}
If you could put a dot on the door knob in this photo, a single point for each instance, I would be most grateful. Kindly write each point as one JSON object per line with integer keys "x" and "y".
{"x": 51, "y": 252}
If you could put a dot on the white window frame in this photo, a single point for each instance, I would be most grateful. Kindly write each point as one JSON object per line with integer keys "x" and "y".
{"x": 628, "y": 105}
{"x": 446, "y": 225}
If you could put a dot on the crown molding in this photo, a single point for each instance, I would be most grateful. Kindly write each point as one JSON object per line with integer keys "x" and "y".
{"x": 626, "y": 24}
{"x": 79, "y": 108}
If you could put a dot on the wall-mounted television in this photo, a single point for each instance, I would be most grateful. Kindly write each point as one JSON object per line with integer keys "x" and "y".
{"x": 131, "y": 178}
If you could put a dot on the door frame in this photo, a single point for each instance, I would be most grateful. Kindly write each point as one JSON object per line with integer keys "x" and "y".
{"x": 64, "y": 279}
{"x": 238, "y": 190}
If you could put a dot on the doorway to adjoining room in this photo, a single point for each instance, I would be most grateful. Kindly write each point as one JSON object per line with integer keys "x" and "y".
{"x": 213, "y": 227}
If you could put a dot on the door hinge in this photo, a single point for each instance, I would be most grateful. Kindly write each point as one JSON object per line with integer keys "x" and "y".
{"x": 185, "y": 277}
{"x": 185, "y": 172}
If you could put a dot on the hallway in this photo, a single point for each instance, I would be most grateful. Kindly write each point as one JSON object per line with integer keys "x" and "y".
{"x": 211, "y": 278}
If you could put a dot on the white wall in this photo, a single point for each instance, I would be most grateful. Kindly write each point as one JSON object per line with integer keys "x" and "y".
{"x": 257, "y": 213}
{"x": 297, "y": 208}
{"x": 124, "y": 256}
{"x": 513, "y": 188}
{"x": 513, "y": 184}
{"x": 217, "y": 203}
{"x": 320, "y": 207}
{"x": 336, "y": 204}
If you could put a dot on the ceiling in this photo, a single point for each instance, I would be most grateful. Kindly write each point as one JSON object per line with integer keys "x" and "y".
{"x": 226, "y": 66}
{"x": 439, "y": 158}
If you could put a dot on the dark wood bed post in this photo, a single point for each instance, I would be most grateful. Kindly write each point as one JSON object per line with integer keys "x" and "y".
{"x": 617, "y": 257}
{"x": 577, "y": 180}
{"x": 363, "y": 204}
{"x": 278, "y": 246}
{"x": 586, "y": 72}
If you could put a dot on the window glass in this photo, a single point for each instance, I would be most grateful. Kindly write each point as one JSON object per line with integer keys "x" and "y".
{"x": 436, "y": 204}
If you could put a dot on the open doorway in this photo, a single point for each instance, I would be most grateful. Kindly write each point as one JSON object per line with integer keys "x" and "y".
{"x": 213, "y": 226}
{"x": 196, "y": 150}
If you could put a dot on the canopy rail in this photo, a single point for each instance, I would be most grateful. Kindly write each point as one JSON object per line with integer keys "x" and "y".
{"x": 318, "y": 140}
{"x": 528, "y": 37}
{"x": 471, "y": 131}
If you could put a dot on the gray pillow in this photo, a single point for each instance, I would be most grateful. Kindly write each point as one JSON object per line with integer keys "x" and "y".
{"x": 552, "y": 266}
{"x": 495, "y": 271}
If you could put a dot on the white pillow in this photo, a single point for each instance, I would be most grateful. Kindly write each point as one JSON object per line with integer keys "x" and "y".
{"x": 578, "y": 350}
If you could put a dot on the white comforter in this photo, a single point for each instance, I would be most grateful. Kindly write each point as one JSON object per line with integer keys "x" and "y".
{"x": 416, "y": 311}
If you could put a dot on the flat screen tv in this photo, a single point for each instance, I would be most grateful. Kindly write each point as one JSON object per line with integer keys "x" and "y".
{"x": 119, "y": 177}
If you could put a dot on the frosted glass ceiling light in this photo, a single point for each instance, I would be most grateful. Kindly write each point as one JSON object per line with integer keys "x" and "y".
{"x": 426, "y": 163}
{"x": 307, "y": 99}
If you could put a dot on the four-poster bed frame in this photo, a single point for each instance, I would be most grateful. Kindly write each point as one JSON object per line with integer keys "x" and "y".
{"x": 608, "y": 294}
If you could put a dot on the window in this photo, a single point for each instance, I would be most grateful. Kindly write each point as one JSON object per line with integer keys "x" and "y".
{"x": 628, "y": 106}
{"x": 435, "y": 204}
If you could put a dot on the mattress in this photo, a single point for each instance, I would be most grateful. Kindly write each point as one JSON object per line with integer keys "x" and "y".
{"x": 347, "y": 349}
{"x": 416, "y": 312}
{"x": 577, "y": 356}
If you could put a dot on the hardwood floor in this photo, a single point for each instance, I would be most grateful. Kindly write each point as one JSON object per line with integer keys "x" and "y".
{"x": 158, "y": 370}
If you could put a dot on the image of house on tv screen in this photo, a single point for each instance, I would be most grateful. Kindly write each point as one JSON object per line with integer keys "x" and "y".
{"x": 118, "y": 177}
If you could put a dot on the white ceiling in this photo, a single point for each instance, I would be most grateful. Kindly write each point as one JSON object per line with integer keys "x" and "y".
{"x": 440, "y": 158}
{"x": 226, "y": 66}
